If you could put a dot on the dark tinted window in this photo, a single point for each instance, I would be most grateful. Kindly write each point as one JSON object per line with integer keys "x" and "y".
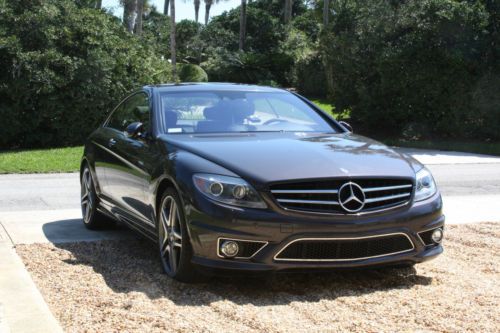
{"x": 234, "y": 111}
{"x": 135, "y": 108}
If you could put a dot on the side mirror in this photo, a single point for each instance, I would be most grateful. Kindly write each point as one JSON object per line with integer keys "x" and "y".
{"x": 346, "y": 126}
{"x": 134, "y": 130}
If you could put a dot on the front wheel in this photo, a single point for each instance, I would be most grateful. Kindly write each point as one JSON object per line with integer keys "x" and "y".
{"x": 173, "y": 240}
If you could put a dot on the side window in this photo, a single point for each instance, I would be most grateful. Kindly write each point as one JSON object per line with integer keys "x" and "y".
{"x": 135, "y": 108}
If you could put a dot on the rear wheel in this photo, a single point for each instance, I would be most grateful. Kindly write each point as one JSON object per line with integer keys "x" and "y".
{"x": 173, "y": 240}
{"x": 92, "y": 219}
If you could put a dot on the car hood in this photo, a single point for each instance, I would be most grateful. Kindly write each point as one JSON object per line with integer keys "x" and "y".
{"x": 263, "y": 158}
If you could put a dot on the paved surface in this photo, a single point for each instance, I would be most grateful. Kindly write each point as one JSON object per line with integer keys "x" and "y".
{"x": 22, "y": 307}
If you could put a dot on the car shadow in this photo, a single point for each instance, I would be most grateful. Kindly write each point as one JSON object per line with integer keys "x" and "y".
{"x": 132, "y": 265}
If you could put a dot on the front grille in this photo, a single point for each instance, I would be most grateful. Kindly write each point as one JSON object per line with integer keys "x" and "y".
{"x": 323, "y": 196}
{"x": 345, "y": 249}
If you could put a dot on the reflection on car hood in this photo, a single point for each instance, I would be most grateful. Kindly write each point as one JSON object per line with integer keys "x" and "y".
{"x": 272, "y": 157}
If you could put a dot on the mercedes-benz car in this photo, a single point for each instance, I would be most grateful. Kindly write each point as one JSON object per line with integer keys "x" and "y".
{"x": 256, "y": 179}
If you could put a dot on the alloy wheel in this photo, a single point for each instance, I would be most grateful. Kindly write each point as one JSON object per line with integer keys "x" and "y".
{"x": 87, "y": 196}
{"x": 170, "y": 235}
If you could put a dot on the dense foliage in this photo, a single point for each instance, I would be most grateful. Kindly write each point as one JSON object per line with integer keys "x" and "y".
{"x": 426, "y": 68}
{"x": 63, "y": 68}
{"x": 411, "y": 68}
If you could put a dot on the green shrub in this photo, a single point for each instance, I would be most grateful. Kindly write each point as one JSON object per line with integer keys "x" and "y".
{"x": 422, "y": 69}
{"x": 63, "y": 68}
{"x": 192, "y": 73}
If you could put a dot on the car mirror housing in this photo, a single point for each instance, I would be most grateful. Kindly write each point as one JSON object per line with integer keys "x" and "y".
{"x": 346, "y": 125}
{"x": 134, "y": 129}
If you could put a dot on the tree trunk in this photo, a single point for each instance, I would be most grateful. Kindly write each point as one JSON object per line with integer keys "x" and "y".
{"x": 288, "y": 11}
{"x": 98, "y": 4}
{"x": 326, "y": 11}
{"x": 165, "y": 7}
{"x": 172, "y": 41}
{"x": 243, "y": 23}
{"x": 138, "y": 22}
{"x": 129, "y": 12}
{"x": 196, "y": 9}
{"x": 208, "y": 5}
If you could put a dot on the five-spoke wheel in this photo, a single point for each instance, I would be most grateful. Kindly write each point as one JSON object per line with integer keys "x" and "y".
{"x": 92, "y": 218}
{"x": 175, "y": 249}
{"x": 170, "y": 234}
{"x": 87, "y": 195}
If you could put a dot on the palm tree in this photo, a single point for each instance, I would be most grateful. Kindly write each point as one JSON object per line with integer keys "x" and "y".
{"x": 243, "y": 23}
{"x": 138, "y": 21}
{"x": 172, "y": 40}
{"x": 208, "y": 4}
{"x": 98, "y": 4}
{"x": 129, "y": 13}
{"x": 196, "y": 9}
{"x": 165, "y": 7}
{"x": 288, "y": 11}
{"x": 326, "y": 10}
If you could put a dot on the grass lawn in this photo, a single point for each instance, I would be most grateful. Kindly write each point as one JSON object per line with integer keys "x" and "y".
{"x": 41, "y": 161}
{"x": 324, "y": 105}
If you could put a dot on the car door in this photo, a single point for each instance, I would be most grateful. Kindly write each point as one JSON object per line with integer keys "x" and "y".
{"x": 125, "y": 178}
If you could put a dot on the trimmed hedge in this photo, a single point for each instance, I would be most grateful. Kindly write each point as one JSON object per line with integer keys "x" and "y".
{"x": 192, "y": 73}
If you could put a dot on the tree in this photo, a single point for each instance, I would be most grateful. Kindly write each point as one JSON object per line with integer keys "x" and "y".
{"x": 196, "y": 9}
{"x": 140, "y": 11}
{"x": 129, "y": 14}
{"x": 165, "y": 7}
{"x": 208, "y": 5}
{"x": 98, "y": 4}
{"x": 288, "y": 11}
{"x": 243, "y": 23}
{"x": 172, "y": 40}
{"x": 326, "y": 11}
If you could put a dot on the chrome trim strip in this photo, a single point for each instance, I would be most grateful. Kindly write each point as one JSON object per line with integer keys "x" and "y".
{"x": 312, "y": 202}
{"x": 386, "y": 188}
{"x": 344, "y": 238}
{"x": 389, "y": 197}
{"x": 304, "y": 191}
{"x": 240, "y": 240}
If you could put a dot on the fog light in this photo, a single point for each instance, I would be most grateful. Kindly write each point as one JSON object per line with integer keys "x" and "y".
{"x": 229, "y": 248}
{"x": 437, "y": 235}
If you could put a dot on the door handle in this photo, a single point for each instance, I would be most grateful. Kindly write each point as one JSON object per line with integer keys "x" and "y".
{"x": 111, "y": 142}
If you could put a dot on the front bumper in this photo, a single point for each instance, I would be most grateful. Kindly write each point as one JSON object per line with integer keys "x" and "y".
{"x": 208, "y": 221}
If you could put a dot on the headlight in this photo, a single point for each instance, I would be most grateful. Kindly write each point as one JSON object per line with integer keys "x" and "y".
{"x": 426, "y": 187}
{"x": 228, "y": 190}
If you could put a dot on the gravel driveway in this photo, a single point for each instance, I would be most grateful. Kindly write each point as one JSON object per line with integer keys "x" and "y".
{"x": 111, "y": 286}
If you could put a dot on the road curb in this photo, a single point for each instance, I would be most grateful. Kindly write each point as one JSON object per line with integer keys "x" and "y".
{"x": 22, "y": 307}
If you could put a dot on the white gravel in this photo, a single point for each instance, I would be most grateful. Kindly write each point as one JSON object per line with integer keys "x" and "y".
{"x": 116, "y": 286}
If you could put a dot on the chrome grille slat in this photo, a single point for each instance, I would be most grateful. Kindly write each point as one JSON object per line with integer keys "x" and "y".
{"x": 304, "y": 191}
{"x": 386, "y": 188}
{"x": 323, "y": 196}
{"x": 389, "y": 197}
{"x": 312, "y": 202}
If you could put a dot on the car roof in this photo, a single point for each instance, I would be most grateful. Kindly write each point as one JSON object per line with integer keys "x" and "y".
{"x": 211, "y": 86}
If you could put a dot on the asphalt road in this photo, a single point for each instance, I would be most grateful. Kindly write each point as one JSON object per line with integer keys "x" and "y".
{"x": 470, "y": 185}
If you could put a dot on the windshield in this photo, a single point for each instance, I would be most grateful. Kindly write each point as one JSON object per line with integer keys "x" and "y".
{"x": 229, "y": 111}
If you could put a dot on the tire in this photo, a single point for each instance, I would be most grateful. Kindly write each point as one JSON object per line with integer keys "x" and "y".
{"x": 173, "y": 240}
{"x": 92, "y": 219}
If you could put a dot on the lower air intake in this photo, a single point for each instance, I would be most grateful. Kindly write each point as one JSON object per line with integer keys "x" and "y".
{"x": 345, "y": 249}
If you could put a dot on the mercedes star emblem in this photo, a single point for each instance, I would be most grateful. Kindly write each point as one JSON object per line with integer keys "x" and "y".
{"x": 351, "y": 197}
